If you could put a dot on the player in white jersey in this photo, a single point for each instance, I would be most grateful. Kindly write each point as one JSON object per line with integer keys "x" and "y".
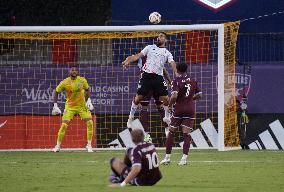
{"x": 152, "y": 77}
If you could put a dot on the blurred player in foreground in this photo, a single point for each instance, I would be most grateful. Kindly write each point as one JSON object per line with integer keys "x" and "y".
{"x": 140, "y": 165}
{"x": 77, "y": 93}
{"x": 152, "y": 78}
{"x": 184, "y": 92}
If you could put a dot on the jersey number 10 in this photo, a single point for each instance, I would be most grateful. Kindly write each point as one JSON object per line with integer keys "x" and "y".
{"x": 152, "y": 160}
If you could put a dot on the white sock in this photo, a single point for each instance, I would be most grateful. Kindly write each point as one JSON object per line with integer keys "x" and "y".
{"x": 133, "y": 109}
{"x": 168, "y": 156}
{"x": 184, "y": 157}
{"x": 167, "y": 113}
{"x": 58, "y": 143}
{"x": 89, "y": 142}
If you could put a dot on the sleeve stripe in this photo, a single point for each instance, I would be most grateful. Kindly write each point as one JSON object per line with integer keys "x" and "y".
{"x": 174, "y": 92}
{"x": 136, "y": 164}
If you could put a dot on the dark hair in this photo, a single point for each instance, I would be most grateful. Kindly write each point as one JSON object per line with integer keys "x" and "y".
{"x": 181, "y": 67}
{"x": 73, "y": 65}
{"x": 137, "y": 136}
{"x": 164, "y": 33}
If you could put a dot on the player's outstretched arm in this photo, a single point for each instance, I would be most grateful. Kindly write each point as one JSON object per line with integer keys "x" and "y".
{"x": 197, "y": 96}
{"x": 89, "y": 104}
{"x": 173, "y": 98}
{"x": 131, "y": 58}
{"x": 167, "y": 77}
{"x": 198, "y": 93}
{"x": 132, "y": 174}
{"x": 55, "y": 109}
{"x": 173, "y": 65}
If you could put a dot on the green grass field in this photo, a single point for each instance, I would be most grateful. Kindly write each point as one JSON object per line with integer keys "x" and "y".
{"x": 208, "y": 170}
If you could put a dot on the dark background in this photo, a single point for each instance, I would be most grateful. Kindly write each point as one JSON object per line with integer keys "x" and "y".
{"x": 56, "y": 12}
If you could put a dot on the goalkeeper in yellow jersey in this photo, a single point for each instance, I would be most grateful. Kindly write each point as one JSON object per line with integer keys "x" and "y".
{"x": 77, "y": 102}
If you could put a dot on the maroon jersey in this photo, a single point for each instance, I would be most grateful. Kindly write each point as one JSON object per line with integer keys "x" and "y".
{"x": 186, "y": 89}
{"x": 145, "y": 155}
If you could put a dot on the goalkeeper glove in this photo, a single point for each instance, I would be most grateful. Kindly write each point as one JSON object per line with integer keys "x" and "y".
{"x": 89, "y": 104}
{"x": 55, "y": 110}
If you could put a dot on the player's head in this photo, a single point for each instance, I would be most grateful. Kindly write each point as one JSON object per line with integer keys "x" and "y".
{"x": 137, "y": 136}
{"x": 161, "y": 39}
{"x": 73, "y": 71}
{"x": 181, "y": 68}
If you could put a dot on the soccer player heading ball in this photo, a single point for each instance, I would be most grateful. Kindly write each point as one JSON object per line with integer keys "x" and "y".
{"x": 77, "y": 93}
{"x": 152, "y": 78}
{"x": 140, "y": 165}
{"x": 184, "y": 92}
{"x": 144, "y": 112}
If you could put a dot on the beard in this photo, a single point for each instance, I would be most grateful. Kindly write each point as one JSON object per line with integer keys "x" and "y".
{"x": 73, "y": 75}
{"x": 158, "y": 43}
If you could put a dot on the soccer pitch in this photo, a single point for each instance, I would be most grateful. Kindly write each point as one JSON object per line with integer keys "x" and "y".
{"x": 209, "y": 170}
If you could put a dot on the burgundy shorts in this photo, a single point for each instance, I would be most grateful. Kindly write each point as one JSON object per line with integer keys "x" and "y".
{"x": 177, "y": 122}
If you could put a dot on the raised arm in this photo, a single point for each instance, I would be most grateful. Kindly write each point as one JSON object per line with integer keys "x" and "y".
{"x": 131, "y": 58}
{"x": 173, "y": 65}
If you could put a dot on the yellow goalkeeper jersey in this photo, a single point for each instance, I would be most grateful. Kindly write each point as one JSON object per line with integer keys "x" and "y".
{"x": 75, "y": 91}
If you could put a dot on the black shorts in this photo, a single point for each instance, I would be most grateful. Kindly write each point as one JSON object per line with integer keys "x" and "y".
{"x": 150, "y": 82}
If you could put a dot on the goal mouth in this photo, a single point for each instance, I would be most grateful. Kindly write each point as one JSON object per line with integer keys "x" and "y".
{"x": 33, "y": 60}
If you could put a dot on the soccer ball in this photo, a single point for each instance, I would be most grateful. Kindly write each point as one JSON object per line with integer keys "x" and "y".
{"x": 155, "y": 17}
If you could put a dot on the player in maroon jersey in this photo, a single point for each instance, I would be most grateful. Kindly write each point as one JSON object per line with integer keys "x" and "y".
{"x": 140, "y": 165}
{"x": 184, "y": 92}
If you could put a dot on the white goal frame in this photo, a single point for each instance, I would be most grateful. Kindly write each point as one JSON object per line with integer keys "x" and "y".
{"x": 218, "y": 27}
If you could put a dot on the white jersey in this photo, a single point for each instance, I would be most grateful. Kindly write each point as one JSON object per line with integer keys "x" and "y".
{"x": 156, "y": 58}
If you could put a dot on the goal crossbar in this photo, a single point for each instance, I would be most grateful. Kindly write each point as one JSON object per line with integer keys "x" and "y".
{"x": 109, "y": 28}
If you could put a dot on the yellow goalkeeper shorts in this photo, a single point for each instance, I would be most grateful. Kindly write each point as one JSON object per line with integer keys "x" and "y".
{"x": 84, "y": 113}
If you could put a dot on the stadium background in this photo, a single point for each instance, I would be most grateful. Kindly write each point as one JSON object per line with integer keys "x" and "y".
{"x": 260, "y": 42}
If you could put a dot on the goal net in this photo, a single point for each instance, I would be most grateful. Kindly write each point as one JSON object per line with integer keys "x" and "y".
{"x": 33, "y": 60}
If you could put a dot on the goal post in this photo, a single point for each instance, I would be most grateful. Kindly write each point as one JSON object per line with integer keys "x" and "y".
{"x": 34, "y": 59}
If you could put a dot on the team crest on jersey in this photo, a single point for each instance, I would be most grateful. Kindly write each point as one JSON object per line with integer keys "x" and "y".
{"x": 215, "y": 5}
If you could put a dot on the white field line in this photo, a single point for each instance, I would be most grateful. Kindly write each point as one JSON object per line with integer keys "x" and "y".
{"x": 107, "y": 162}
{"x": 112, "y": 149}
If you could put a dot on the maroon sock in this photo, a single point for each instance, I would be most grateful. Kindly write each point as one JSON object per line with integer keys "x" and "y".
{"x": 162, "y": 115}
{"x": 169, "y": 143}
{"x": 145, "y": 119}
{"x": 186, "y": 144}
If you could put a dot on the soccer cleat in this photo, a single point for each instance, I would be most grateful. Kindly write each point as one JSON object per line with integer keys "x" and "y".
{"x": 56, "y": 148}
{"x": 165, "y": 161}
{"x": 89, "y": 148}
{"x": 167, "y": 120}
{"x": 147, "y": 138}
{"x": 129, "y": 121}
{"x": 182, "y": 162}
